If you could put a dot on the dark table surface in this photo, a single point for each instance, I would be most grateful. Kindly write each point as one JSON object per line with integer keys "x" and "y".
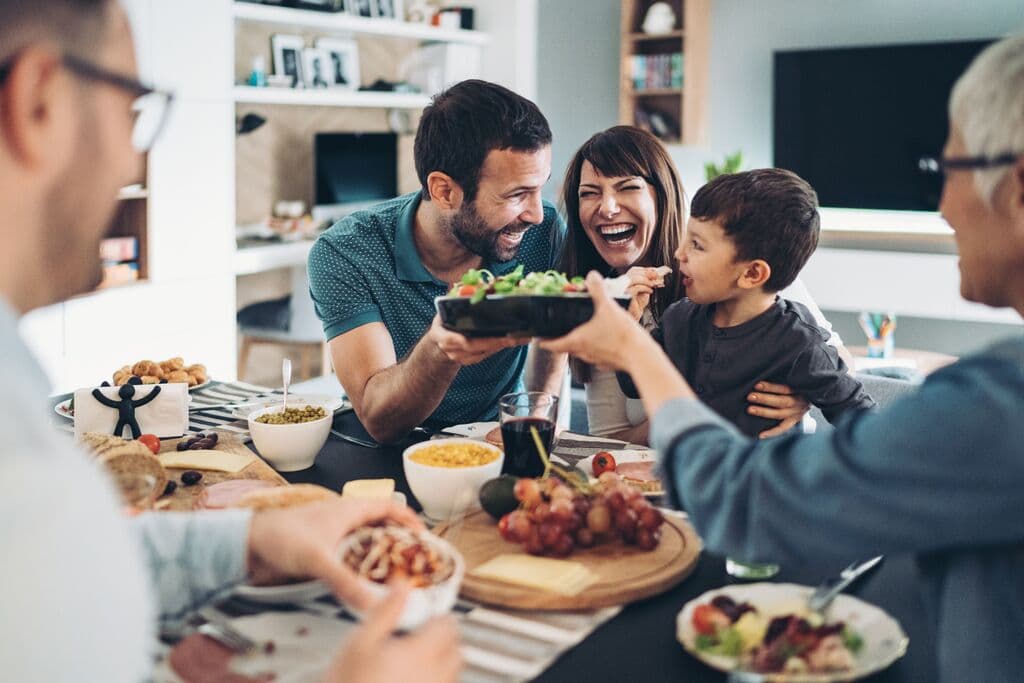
{"x": 640, "y": 643}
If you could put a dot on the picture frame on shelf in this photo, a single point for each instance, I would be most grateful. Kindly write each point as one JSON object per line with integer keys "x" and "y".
{"x": 316, "y": 68}
{"x": 342, "y": 62}
{"x": 287, "y": 51}
{"x": 360, "y": 8}
{"x": 389, "y": 9}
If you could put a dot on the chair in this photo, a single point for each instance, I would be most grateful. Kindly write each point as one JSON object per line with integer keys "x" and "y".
{"x": 290, "y": 321}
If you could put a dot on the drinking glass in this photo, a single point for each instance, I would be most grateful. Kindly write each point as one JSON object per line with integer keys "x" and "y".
{"x": 750, "y": 570}
{"x": 518, "y": 413}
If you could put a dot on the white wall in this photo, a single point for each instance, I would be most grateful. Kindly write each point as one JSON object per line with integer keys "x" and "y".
{"x": 187, "y": 308}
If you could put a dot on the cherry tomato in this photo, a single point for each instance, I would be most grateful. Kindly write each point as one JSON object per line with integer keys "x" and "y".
{"x": 569, "y": 288}
{"x": 603, "y": 462}
{"x": 708, "y": 619}
{"x": 150, "y": 441}
{"x": 467, "y": 290}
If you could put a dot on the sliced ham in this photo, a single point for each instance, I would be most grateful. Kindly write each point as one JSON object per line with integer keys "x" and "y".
{"x": 227, "y": 493}
{"x": 640, "y": 471}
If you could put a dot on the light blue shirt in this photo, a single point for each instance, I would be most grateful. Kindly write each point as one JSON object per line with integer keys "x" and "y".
{"x": 939, "y": 474}
{"x": 80, "y": 585}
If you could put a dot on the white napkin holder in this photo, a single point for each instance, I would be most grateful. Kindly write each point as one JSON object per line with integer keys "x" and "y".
{"x": 166, "y": 415}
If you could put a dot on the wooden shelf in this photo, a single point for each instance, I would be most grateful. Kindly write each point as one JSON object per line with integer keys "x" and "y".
{"x": 259, "y": 258}
{"x": 644, "y": 37}
{"x": 684, "y": 118}
{"x": 346, "y": 23}
{"x": 327, "y": 97}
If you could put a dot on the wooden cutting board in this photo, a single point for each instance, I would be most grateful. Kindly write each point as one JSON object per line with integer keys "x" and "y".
{"x": 188, "y": 497}
{"x": 625, "y": 574}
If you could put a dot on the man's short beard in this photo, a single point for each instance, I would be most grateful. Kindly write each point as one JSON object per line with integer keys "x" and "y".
{"x": 475, "y": 235}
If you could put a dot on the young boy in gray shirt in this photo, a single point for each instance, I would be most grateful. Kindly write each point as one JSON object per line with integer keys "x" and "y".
{"x": 748, "y": 237}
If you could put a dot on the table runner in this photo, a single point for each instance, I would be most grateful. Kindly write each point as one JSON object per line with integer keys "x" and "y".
{"x": 498, "y": 645}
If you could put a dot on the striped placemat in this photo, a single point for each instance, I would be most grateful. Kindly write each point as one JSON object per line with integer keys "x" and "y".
{"x": 214, "y": 394}
{"x": 498, "y": 645}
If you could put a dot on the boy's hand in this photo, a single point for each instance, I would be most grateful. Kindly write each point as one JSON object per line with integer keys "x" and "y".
{"x": 777, "y": 402}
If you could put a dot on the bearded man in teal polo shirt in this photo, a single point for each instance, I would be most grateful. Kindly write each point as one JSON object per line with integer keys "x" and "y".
{"x": 482, "y": 155}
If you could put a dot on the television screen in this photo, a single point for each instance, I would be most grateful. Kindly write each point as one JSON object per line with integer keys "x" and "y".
{"x": 855, "y": 121}
{"x": 355, "y": 167}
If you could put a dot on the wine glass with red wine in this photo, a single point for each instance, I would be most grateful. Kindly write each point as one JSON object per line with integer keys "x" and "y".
{"x": 520, "y": 412}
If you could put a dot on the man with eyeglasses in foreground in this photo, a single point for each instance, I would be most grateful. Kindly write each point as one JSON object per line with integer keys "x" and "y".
{"x": 81, "y": 585}
{"x": 938, "y": 475}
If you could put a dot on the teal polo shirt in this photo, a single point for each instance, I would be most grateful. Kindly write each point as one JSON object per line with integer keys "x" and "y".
{"x": 366, "y": 269}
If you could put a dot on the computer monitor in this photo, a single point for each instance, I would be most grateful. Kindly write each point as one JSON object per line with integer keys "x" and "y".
{"x": 353, "y": 171}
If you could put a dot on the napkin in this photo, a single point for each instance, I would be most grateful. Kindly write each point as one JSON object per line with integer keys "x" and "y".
{"x": 166, "y": 415}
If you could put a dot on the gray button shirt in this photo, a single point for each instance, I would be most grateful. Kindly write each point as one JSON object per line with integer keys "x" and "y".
{"x": 782, "y": 345}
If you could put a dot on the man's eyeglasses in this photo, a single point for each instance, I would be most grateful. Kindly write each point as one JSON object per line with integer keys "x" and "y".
{"x": 930, "y": 164}
{"x": 150, "y": 107}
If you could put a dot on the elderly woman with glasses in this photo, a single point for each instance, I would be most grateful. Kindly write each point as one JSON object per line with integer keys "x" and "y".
{"x": 938, "y": 475}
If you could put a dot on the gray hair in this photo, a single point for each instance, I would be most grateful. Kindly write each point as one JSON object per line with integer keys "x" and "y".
{"x": 987, "y": 108}
{"x": 77, "y": 26}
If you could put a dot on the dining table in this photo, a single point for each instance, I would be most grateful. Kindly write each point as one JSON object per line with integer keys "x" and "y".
{"x": 639, "y": 643}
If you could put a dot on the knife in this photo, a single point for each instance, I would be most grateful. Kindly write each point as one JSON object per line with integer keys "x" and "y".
{"x": 824, "y": 594}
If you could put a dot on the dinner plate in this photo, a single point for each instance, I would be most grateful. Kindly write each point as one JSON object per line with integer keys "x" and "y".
{"x": 884, "y": 639}
{"x": 288, "y": 593}
{"x": 330, "y": 403}
{"x": 622, "y": 455}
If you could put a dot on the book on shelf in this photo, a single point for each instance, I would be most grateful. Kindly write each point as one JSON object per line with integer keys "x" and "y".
{"x": 657, "y": 72}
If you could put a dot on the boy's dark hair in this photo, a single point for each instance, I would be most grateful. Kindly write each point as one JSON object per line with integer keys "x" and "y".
{"x": 465, "y": 122}
{"x": 78, "y": 26}
{"x": 769, "y": 214}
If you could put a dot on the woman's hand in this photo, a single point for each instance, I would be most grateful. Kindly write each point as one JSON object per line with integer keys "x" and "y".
{"x": 373, "y": 654}
{"x": 777, "y": 402}
{"x": 642, "y": 283}
{"x": 302, "y": 542}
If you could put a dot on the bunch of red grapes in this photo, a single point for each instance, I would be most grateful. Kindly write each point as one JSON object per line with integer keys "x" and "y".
{"x": 554, "y": 517}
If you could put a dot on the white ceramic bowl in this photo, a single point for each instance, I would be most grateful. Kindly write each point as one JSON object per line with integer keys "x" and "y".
{"x": 423, "y": 603}
{"x": 289, "y": 447}
{"x": 446, "y": 492}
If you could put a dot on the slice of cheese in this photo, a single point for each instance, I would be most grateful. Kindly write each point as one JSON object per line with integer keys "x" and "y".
{"x": 217, "y": 461}
{"x": 557, "y": 576}
{"x": 369, "y": 489}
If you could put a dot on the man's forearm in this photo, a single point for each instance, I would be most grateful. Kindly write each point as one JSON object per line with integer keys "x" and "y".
{"x": 545, "y": 370}
{"x": 399, "y": 398}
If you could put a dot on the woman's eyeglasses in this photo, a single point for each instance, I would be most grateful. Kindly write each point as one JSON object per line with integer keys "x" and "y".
{"x": 150, "y": 107}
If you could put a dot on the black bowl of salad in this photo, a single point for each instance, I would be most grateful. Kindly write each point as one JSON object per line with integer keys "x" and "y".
{"x": 541, "y": 304}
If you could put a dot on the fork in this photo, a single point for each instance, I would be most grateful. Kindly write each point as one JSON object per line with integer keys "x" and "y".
{"x": 227, "y": 636}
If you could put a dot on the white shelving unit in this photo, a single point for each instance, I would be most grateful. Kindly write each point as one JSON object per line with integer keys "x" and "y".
{"x": 336, "y": 23}
{"x": 329, "y": 98}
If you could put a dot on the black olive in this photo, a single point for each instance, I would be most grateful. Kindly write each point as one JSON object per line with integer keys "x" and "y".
{"x": 191, "y": 477}
{"x": 205, "y": 443}
{"x": 182, "y": 445}
{"x": 169, "y": 489}
{"x": 104, "y": 383}
{"x": 212, "y": 436}
{"x": 134, "y": 379}
{"x": 163, "y": 380}
{"x": 195, "y": 446}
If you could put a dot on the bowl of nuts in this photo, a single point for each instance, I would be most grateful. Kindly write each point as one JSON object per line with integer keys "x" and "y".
{"x": 290, "y": 438}
{"x": 381, "y": 555}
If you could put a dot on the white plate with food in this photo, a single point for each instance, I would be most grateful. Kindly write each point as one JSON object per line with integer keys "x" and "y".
{"x": 766, "y": 629}
{"x": 288, "y": 593}
{"x": 332, "y": 404}
{"x": 635, "y": 466}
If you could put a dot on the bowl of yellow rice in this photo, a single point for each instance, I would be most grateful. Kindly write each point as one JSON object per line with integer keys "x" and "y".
{"x": 445, "y": 475}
